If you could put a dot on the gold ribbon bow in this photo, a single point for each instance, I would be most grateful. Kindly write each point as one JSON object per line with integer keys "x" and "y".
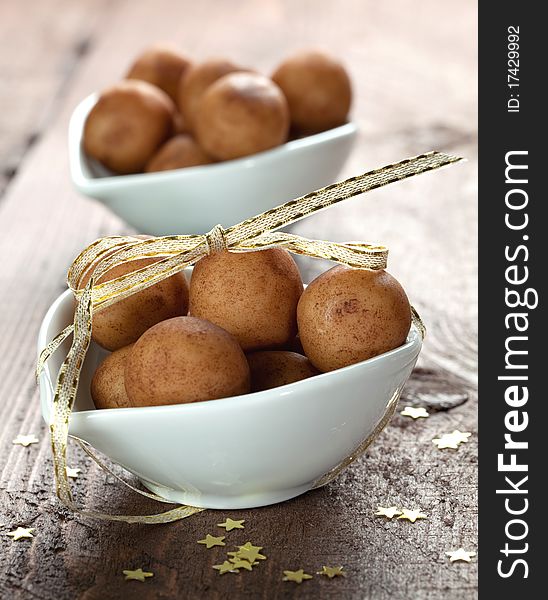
{"x": 180, "y": 251}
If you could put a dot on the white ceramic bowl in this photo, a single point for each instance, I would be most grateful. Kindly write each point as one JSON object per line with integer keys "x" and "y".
{"x": 195, "y": 199}
{"x": 239, "y": 452}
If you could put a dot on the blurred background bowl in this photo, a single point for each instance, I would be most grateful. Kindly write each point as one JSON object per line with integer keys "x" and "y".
{"x": 195, "y": 199}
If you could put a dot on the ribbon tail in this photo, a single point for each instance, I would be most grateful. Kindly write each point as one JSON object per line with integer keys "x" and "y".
{"x": 418, "y": 322}
{"x": 51, "y": 348}
{"x": 298, "y": 209}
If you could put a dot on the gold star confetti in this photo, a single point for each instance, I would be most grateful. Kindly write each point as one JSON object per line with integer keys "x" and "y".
{"x": 138, "y": 575}
{"x": 461, "y": 436}
{"x": 226, "y": 567}
{"x": 412, "y": 515}
{"x": 239, "y": 563}
{"x": 25, "y": 440}
{"x": 389, "y": 512}
{"x": 414, "y": 413}
{"x": 21, "y": 532}
{"x": 211, "y": 541}
{"x": 460, "y": 554}
{"x": 332, "y": 572}
{"x": 248, "y": 552}
{"x": 73, "y": 472}
{"x": 229, "y": 524}
{"x": 296, "y": 576}
{"x": 451, "y": 440}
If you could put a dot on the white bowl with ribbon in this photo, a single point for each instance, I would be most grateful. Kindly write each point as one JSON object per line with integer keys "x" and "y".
{"x": 196, "y": 199}
{"x": 240, "y": 452}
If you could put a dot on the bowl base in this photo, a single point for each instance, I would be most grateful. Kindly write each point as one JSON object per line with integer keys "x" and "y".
{"x": 226, "y": 502}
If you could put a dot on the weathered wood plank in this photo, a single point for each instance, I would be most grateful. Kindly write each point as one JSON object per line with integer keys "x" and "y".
{"x": 414, "y": 74}
{"x": 42, "y": 44}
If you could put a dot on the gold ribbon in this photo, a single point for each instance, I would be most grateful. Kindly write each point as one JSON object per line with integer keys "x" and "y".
{"x": 180, "y": 251}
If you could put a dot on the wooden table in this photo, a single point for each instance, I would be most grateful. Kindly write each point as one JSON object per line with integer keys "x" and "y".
{"x": 414, "y": 72}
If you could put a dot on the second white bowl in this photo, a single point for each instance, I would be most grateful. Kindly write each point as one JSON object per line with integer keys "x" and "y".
{"x": 195, "y": 199}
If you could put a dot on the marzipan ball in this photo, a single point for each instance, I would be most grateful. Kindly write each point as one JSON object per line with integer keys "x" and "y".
{"x": 241, "y": 114}
{"x": 317, "y": 88}
{"x": 163, "y": 66}
{"x": 196, "y": 81}
{"x": 253, "y": 295}
{"x": 178, "y": 152}
{"x": 107, "y": 386}
{"x": 125, "y": 321}
{"x": 185, "y": 360}
{"x": 348, "y": 315}
{"x": 272, "y": 368}
{"x": 127, "y": 125}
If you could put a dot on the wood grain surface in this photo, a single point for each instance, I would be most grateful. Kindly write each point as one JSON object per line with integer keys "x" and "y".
{"x": 414, "y": 73}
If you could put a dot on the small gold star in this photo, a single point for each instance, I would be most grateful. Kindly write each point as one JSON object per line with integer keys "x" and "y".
{"x": 296, "y": 576}
{"x": 461, "y": 436}
{"x": 248, "y": 552}
{"x": 451, "y": 440}
{"x": 414, "y": 413}
{"x": 460, "y": 554}
{"x": 73, "y": 472}
{"x": 389, "y": 512}
{"x": 26, "y": 440}
{"x": 229, "y": 524}
{"x": 332, "y": 572}
{"x": 250, "y": 546}
{"x": 226, "y": 567}
{"x": 236, "y": 557}
{"x": 238, "y": 563}
{"x": 211, "y": 541}
{"x": 138, "y": 575}
{"x": 412, "y": 515}
{"x": 21, "y": 532}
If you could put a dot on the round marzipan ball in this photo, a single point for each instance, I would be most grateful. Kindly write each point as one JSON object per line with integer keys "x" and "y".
{"x": 272, "y": 368}
{"x": 178, "y": 152}
{"x": 125, "y": 321}
{"x": 161, "y": 65}
{"x": 182, "y": 360}
{"x": 196, "y": 81}
{"x": 253, "y": 295}
{"x": 317, "y": 88}
{"x": 241, "y": 114}
{"x": 107, "y": 385}
{"x": 127, "y": 125}
{"x": 348, "y": 315}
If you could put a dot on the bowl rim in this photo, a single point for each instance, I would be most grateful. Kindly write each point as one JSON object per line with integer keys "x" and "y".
{"x": 80, "y": 179}
{"x": 407, "y": 353}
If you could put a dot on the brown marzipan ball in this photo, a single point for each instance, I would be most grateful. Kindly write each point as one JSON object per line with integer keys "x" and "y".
{"x": 182, "y": 360}
{"x": 253, "y": 295}
{"x": 178, "y": 152}
{"x": 126, "y": 126}
{"x": 317, "y": 88}
{"x": 107, "y": 386}
{"x": 348, "y": 315}
{"x": 272, "y": 368}
{"x": 241, "y": 114}
{"x": 163, "y": 66}
{"x": 125, "y": 321}
{"x": 196, "y": 81}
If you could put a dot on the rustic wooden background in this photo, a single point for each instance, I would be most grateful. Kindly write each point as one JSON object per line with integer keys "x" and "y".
{"x": 414, "y": 73}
